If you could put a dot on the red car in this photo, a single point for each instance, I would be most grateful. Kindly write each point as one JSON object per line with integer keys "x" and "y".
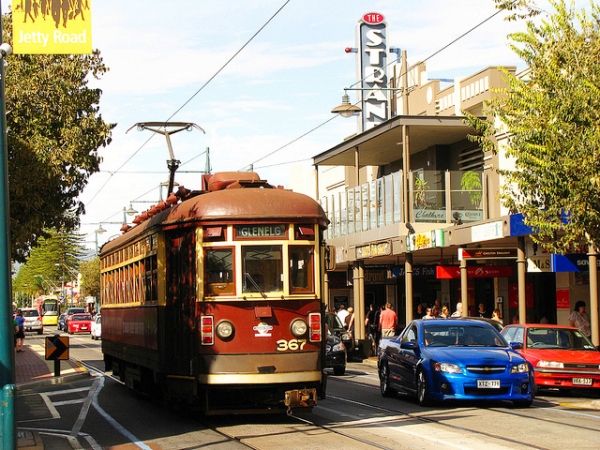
{"x": 79, "y": 323}
{"x": 562, "y": 357}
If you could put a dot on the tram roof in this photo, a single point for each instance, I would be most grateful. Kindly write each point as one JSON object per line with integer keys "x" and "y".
{"x": 239, "y": 205}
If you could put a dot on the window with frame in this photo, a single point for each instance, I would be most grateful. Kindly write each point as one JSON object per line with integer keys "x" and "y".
{"x": 262, "y": 268}
{"x": 218, "y": 269}
{"x": 301, "y": 269}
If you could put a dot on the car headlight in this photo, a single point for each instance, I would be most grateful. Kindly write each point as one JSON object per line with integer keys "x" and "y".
{"x": 520, "y": 368}
{"x": 447, "y": 367}
{"x": 225, "y": 330}
{"x": 551, "y": 364}
{"x": 298, "y": 327}
{"x": 338, "y": 347}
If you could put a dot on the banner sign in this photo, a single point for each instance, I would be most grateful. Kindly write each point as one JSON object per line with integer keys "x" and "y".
{"x": 52, "y": 27}
{"x": 450, "y": 272}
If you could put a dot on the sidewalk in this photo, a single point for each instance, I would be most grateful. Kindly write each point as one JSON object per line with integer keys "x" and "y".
{"x": 32, "y": 370}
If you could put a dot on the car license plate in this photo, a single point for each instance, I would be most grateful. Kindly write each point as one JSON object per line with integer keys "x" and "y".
{"x": 487, "y": 384}
{"x": 583, "y": 381}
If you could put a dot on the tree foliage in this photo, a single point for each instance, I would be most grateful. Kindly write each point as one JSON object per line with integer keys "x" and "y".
{"x": 90, "y": 277}
{"x": 54, "y": 129}
{"x": 55, "y": 260}
{"x": 552, "y": 117}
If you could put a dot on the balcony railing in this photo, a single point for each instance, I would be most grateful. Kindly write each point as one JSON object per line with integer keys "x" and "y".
{"x": 434, "y": 197}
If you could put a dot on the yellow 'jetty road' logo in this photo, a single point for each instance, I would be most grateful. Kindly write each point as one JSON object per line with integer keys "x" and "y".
{"x": 52, "y": 26}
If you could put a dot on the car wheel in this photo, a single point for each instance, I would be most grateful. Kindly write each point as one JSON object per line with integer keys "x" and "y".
{"x": 422, "y": 388}
{"x": 384, "y": 381}
{"x": 41, "y": 331}
{"x": 339, "y": 370}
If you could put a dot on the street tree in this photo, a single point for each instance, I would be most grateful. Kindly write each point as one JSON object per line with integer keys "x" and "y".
{"x": 53, "y": 262}
{"x": 552, "y": 120}
{"x": 90, "y": 277}
{"x": 54, "y": 129}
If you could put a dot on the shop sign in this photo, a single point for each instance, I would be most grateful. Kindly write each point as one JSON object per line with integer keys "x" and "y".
{"x": 574, "y": 262}
{"x": 487, "y": 253}
{"x": 538, "y": 264}
{"x": 373, "y": 73}
{"x": 451, "y": 272}
{"x": 486, "y": 231}
{"x": 417, "y": 271}
{"x": 419, "y": 241}
{"x": 375, "y": 249}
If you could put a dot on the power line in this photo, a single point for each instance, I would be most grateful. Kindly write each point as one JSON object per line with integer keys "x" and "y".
{"x": 359, "y": 81}
{"x": 194, "y": 95}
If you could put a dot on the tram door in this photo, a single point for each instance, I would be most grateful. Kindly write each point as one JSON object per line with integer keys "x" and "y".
{"x": 180, "y": 310}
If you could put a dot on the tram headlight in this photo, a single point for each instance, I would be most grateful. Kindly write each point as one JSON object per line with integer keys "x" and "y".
{"x": 298, "y": 327}
{"x": 225, "y": 330}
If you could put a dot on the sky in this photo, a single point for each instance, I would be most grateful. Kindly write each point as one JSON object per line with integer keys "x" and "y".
{"x": 269, "y": 106}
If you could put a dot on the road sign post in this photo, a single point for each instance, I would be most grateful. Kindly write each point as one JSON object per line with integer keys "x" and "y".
{"x": 57, "y": 349}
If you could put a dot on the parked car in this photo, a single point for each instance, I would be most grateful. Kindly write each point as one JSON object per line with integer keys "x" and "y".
{"x": 336, "y": 327}
{"x": 79, "y": 323}
{"x": 335, "y": 356}
{"x": 455, "y": 359}
{"x": 562, "y": 357}
{"x": 33, "y": 320}
{"x": 61, "y": 322}
{"x": 97, "y": 327}
{"x": 497, "y": 325}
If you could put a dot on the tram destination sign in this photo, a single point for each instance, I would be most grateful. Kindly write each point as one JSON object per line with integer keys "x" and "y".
{"x": 487, "y": 253}
{"x": 260, "y": 231}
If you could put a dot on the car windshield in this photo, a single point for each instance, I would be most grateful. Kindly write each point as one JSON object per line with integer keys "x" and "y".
{"x": 334, "y": 322}
{"x": 77, "y": 317}
{"x": 446, "y": 335}
{"x": 558, "y": 338}
{"x": 31, "y": 313}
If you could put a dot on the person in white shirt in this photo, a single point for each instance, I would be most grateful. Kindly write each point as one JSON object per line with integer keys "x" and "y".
{"x": 342, "y": 313}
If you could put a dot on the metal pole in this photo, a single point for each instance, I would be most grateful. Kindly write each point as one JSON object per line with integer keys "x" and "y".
{"x": 7, "y": 357}
{"x": 521, "y": 272}
{"x": 593, "y": 266}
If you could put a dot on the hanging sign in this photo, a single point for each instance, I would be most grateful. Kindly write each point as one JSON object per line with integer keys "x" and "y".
{"x": 52, "y": 27}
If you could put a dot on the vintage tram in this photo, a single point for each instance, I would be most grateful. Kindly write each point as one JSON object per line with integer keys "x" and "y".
{"x": 215, "y": 298}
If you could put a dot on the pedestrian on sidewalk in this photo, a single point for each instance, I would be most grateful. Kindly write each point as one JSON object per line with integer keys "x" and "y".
{"x": 20, "y": 331}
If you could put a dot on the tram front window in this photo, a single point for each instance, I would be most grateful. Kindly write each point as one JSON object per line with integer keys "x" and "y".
{"x": 262, "y": 267}
{"x": 219, "y": 271}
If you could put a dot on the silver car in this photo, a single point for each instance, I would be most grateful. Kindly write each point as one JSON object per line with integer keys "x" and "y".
{"x": 97, "y": 328}
{"x": 33, "y": 320}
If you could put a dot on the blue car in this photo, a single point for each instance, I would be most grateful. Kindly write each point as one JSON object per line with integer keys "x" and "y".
{"x": 439, "y": 359}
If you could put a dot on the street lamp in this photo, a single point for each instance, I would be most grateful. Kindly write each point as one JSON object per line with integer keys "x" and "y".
{"x": 128, "y": 212}
{"x": 100, "y": 230}
{"x": 346, "y": 109}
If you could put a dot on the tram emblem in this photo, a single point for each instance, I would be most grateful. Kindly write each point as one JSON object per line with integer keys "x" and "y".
{"x": 262, "y": 330}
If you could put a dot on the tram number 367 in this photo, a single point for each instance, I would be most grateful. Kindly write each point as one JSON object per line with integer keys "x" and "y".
{"x": 291, "y": 345}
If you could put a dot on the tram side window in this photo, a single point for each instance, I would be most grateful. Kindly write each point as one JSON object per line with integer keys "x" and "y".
{"x": 301, "y": 269}
{"x": 262, "y": 268}
{"x": 219, "y": 272}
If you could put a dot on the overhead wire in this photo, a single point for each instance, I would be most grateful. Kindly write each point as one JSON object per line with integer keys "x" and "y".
{"x": 302, "y": 135}
{"x": 195, "y": 93}
{"x": 361, "y": 80}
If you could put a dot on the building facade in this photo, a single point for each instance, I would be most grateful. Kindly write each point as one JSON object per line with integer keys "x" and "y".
{"x": 415, "y": 214}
